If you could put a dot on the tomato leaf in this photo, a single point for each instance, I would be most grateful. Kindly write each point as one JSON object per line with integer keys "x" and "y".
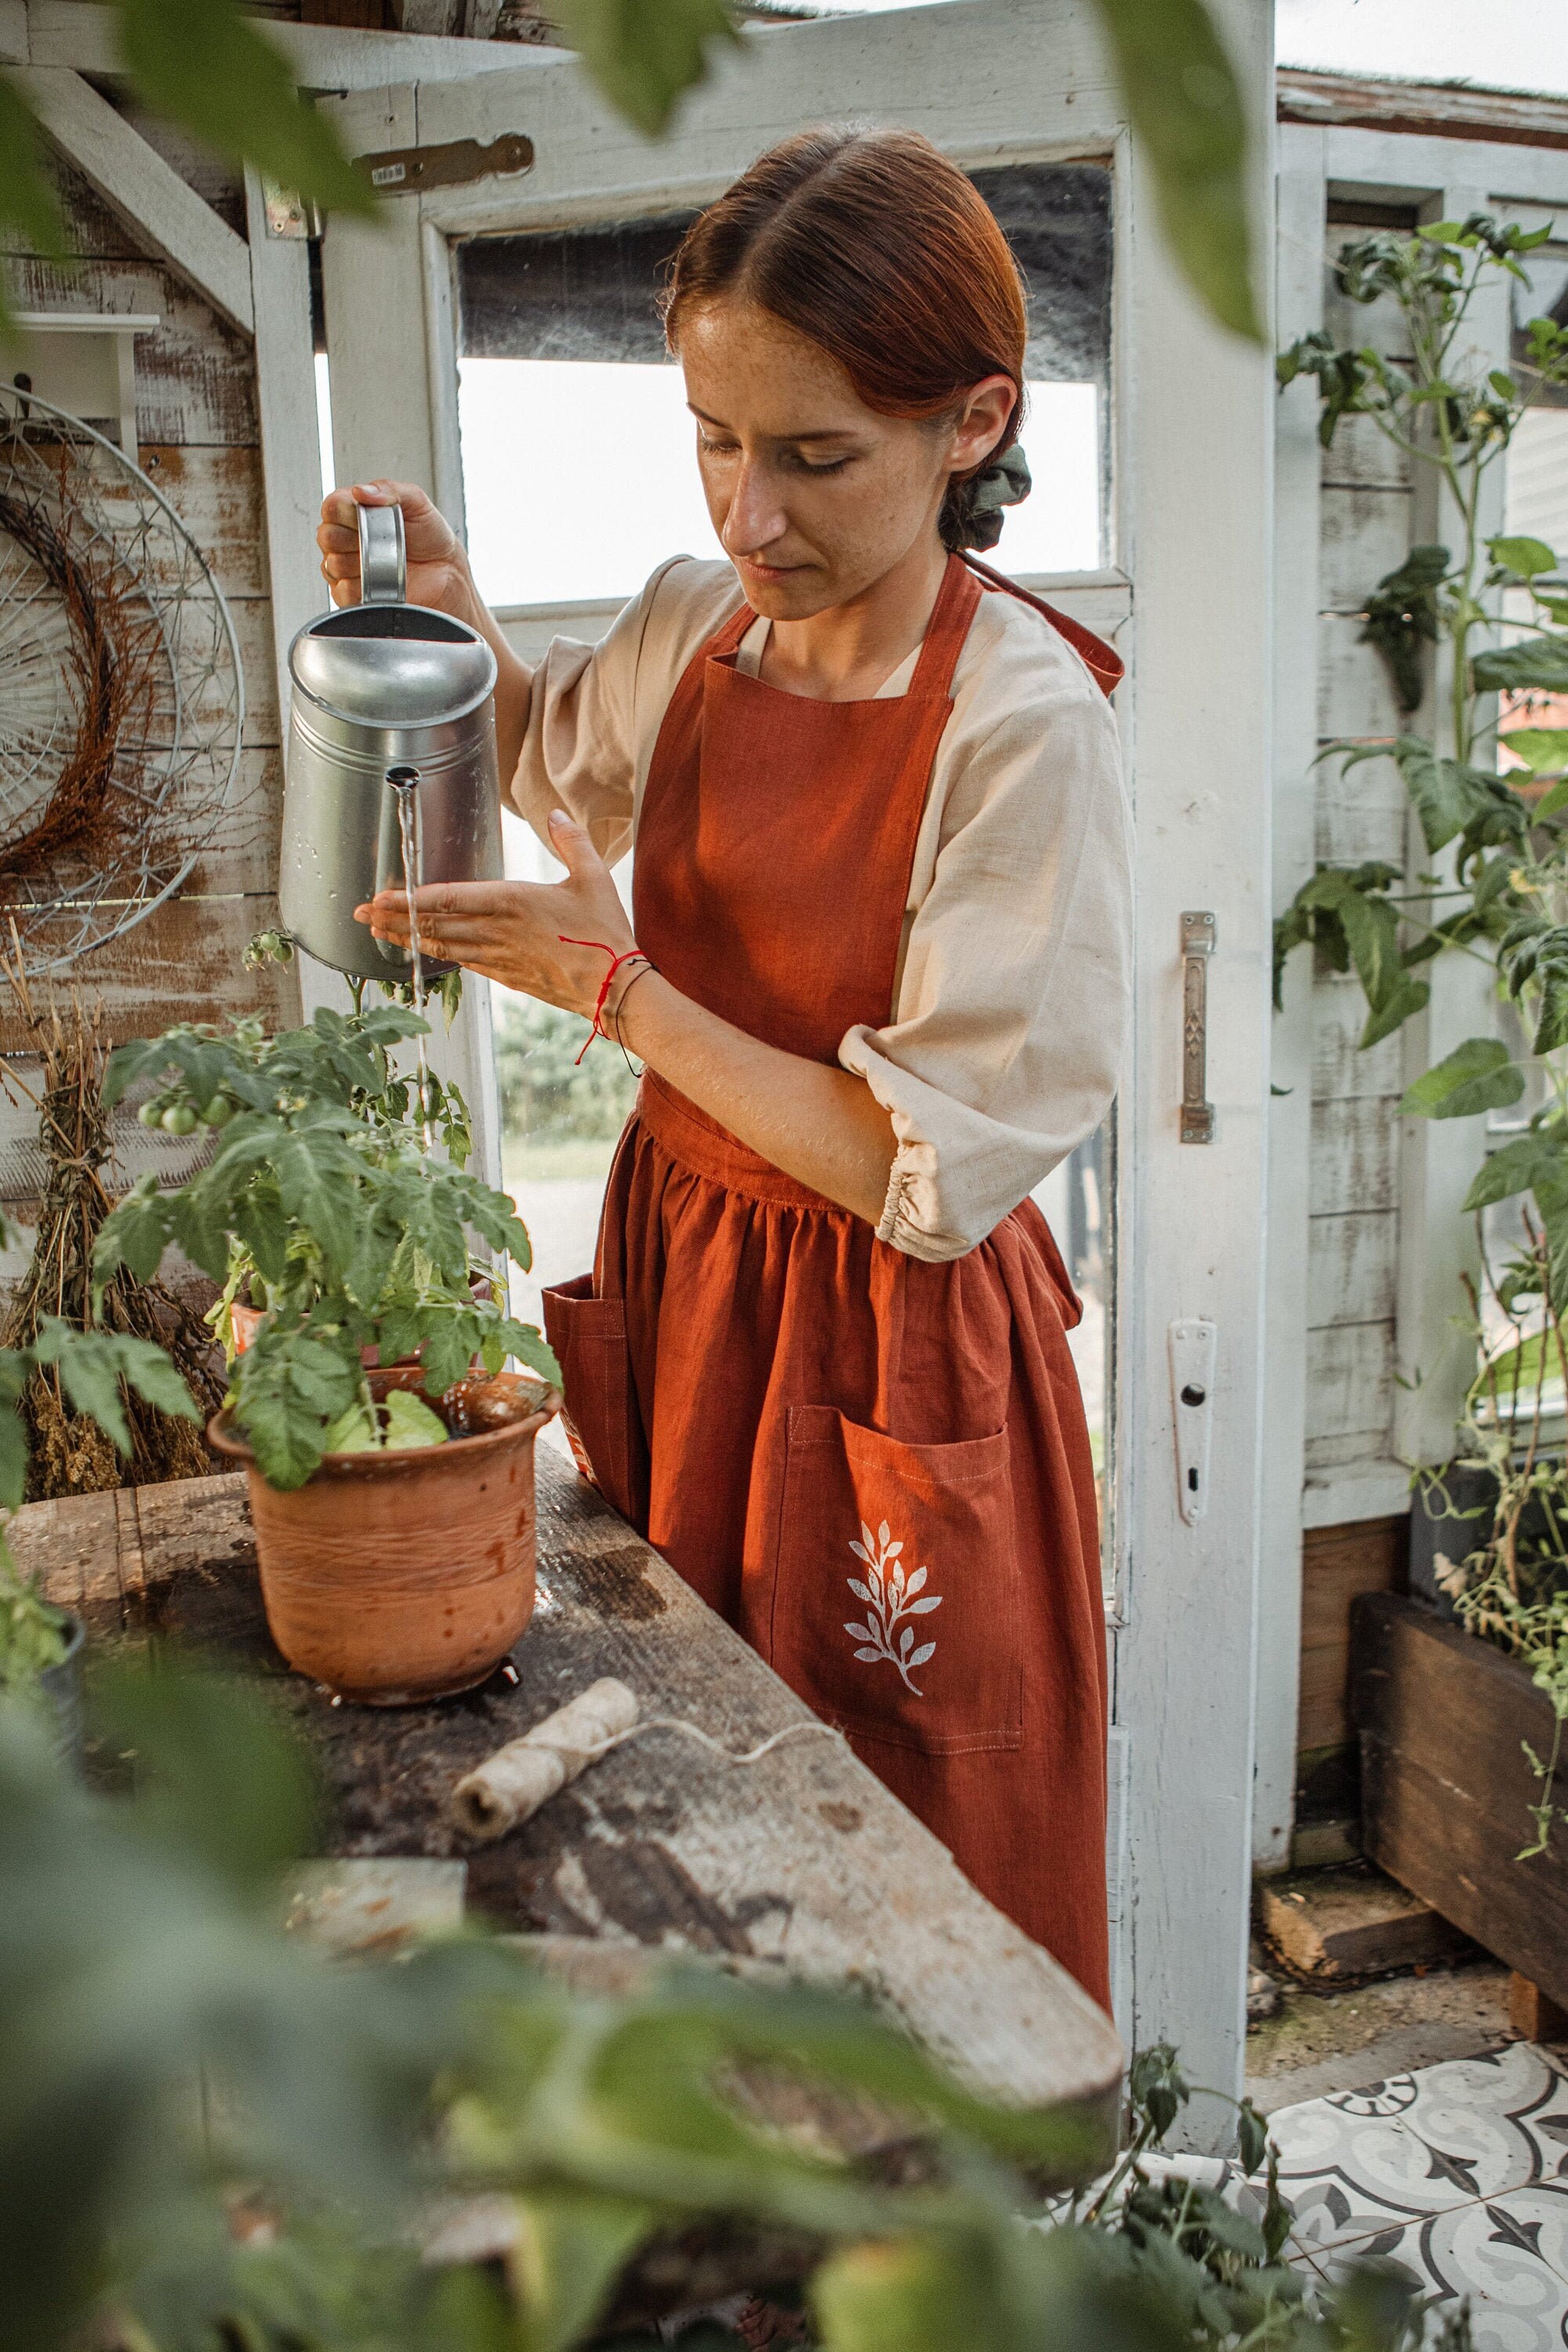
{"x": 644, "y": 53}
{"x": 1185, "y": 108}
{"x": 1476, "y": 1076}
{"x": 207, "y": 65}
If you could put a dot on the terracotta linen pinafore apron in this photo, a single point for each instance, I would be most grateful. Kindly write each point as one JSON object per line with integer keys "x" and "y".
{"x": 876, "y": 1467}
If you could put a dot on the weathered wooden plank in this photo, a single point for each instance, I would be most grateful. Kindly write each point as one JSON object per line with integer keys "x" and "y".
{"x": 1338, "y": 1564}
{"x": 291, "y": 436}
{"x": 1352, "y": 1267}
{"x": 1381, "y": 323}
{"x": 1353, "y": 831}
{"x": 213, "y": 176}
{"x": 1355, "y": 1156}
{"x": 1355, "y": 696}
{"x": 808, "y": 1860}
{"x": 193, "y": 376}
{"x": 1340, "y": 1067}
{"x": 241, "y": 854}
{"x": 1350, "y": 1380}
{"x": 136, "y": 1150}
{"x": 217, "y": 496}
{"x": 1348, "y": 1472}
{"x": 1365, "y": 535}
{"x": 183, "y": 964}
{"x": 1362, "y": 455}
{"x": 87, "y": 225}
{"x": 1446, "y": 1784}
{"x": 135, "y": 182}
{"x": 252, "y": 618}
{"x": 72, "y": 1546}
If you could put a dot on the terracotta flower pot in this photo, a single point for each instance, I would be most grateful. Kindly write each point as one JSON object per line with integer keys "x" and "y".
{"x": 400, "y": 1576}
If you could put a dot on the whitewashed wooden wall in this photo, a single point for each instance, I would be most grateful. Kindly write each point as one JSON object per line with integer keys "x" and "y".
{"x": 1353, "y": 1193}
{"x": 196, "y": 427}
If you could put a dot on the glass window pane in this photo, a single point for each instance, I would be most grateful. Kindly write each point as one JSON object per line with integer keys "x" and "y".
{"x": 577, "y": 451}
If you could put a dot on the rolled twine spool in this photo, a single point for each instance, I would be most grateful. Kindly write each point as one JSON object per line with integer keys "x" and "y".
{"x": 514, "y": 1783}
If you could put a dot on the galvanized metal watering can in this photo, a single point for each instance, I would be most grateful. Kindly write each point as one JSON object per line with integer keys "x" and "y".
{"x": 391, "y": 702}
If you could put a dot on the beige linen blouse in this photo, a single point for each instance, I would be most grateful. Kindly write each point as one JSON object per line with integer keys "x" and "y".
{"x": 1014, "y": 978}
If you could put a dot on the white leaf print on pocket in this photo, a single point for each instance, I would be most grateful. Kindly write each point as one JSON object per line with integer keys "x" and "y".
{"x": 890, "y": 1597}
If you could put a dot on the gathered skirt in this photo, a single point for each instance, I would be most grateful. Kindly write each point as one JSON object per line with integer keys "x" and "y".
{"x": 878, "y": 1470}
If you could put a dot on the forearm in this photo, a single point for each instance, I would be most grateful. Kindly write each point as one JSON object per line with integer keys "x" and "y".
{"x": 821, "y": 1124}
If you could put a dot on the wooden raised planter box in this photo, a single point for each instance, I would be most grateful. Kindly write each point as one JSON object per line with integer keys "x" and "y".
{"x": 1445, "y": 1783}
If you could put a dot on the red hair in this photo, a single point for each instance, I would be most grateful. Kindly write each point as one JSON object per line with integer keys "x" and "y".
{"x": 876, "y": 247}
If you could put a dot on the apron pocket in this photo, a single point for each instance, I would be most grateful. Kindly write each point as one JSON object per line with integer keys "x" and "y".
{"x": 589, "y": 1337}
{"x": 896, "y": 1604}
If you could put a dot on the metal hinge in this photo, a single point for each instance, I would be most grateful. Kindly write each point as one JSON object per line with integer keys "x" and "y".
{"x": 411, "y": 170}
{"x": 288, "y": 216}
{"x": 1197, "y": 946}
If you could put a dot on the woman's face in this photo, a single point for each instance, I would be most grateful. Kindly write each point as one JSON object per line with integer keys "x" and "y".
{"x": 816, "y": 497}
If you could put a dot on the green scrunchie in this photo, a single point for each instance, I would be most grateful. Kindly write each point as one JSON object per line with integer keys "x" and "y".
{"x": 1004, "y": 483}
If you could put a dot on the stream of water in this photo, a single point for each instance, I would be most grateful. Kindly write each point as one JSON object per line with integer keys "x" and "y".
{"x": 411, "y": 835}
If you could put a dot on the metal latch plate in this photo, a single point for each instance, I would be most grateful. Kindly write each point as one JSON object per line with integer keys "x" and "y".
{"x": 1191, "y": 1342}
{"x": 413, "y": 171}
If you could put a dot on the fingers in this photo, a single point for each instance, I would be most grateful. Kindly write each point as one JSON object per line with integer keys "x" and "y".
{"x": 574, "y": 844}
{"x": 491, "y": 898}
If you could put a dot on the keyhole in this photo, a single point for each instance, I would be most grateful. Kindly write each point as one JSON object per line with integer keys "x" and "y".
{"x": 1192, "y": 1482}
{"x": 1190, "y": 1395}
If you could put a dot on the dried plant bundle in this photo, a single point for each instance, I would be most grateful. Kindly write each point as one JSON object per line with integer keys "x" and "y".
{"x": 70, "y": 1455}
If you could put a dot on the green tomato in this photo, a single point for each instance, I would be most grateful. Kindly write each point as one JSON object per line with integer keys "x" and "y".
{"x": 151, "y": 1113}
{"x": 218, "y": 1112}
{"x": 179, "y": 1119}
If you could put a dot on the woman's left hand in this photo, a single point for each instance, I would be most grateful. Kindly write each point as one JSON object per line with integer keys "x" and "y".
{"x": 520, "y": 933}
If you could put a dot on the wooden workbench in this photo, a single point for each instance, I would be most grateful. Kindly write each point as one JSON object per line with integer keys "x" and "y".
{"x": 804, "y": 1858}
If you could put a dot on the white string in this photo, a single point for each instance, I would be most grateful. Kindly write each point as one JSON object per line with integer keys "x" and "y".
{"x": 676, "y": 1723}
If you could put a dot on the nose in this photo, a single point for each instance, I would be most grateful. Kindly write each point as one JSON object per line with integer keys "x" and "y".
{"x": 754, "y": 520}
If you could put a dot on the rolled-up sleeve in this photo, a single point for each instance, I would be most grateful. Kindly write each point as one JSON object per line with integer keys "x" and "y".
{"x": 593, "y": 712}
{"x": 578, "y": 751}
{"x": 1014, "y": 998}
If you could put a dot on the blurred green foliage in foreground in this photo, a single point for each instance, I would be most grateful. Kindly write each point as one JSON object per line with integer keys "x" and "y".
{"x": 213, "y": 2139}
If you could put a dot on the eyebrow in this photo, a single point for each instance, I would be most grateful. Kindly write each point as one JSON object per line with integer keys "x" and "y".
{"x": 831, "y": 433}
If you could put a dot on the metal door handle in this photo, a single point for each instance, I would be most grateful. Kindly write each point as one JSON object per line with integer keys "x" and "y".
{"x": 1197, "y": 946}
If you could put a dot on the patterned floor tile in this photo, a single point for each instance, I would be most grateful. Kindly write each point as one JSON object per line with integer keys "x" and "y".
{"x": 1501, "y": 2120}
{"x": 1458, "y": 2173}
{"x": 1378, "y": 2159}
{"x": 1491, "y": 2250}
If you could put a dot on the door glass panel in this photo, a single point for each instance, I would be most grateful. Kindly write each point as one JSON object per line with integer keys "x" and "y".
{"x": 580, "y": 477}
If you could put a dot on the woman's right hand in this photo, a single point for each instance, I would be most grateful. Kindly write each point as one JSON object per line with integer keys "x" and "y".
{"x": 438, "y": 574}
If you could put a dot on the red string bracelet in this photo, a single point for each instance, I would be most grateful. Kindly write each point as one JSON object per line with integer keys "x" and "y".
{"x": 631, "y": 955}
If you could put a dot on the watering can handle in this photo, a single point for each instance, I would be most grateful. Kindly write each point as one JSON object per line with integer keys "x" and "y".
{"x": 383, "y": 564}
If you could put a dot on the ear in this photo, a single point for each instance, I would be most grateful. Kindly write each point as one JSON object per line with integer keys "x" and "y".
{"x": 982, "y": 419}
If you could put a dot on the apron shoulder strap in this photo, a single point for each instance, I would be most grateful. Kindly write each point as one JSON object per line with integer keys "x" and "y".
{"x": 957, "y": 600}
{"x": 1103, "y": 662}
{"x": 727, "y": 639}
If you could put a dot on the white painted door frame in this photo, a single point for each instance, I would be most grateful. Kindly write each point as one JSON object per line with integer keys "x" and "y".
{"x": 1440, "y": 179}
{"x": 997, "y": 82}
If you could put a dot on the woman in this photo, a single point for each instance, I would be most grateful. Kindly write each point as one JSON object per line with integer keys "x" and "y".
{"x": 878, "y": 983}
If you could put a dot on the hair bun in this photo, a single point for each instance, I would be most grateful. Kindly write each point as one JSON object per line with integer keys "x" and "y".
{"x": 973, "y": 511}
